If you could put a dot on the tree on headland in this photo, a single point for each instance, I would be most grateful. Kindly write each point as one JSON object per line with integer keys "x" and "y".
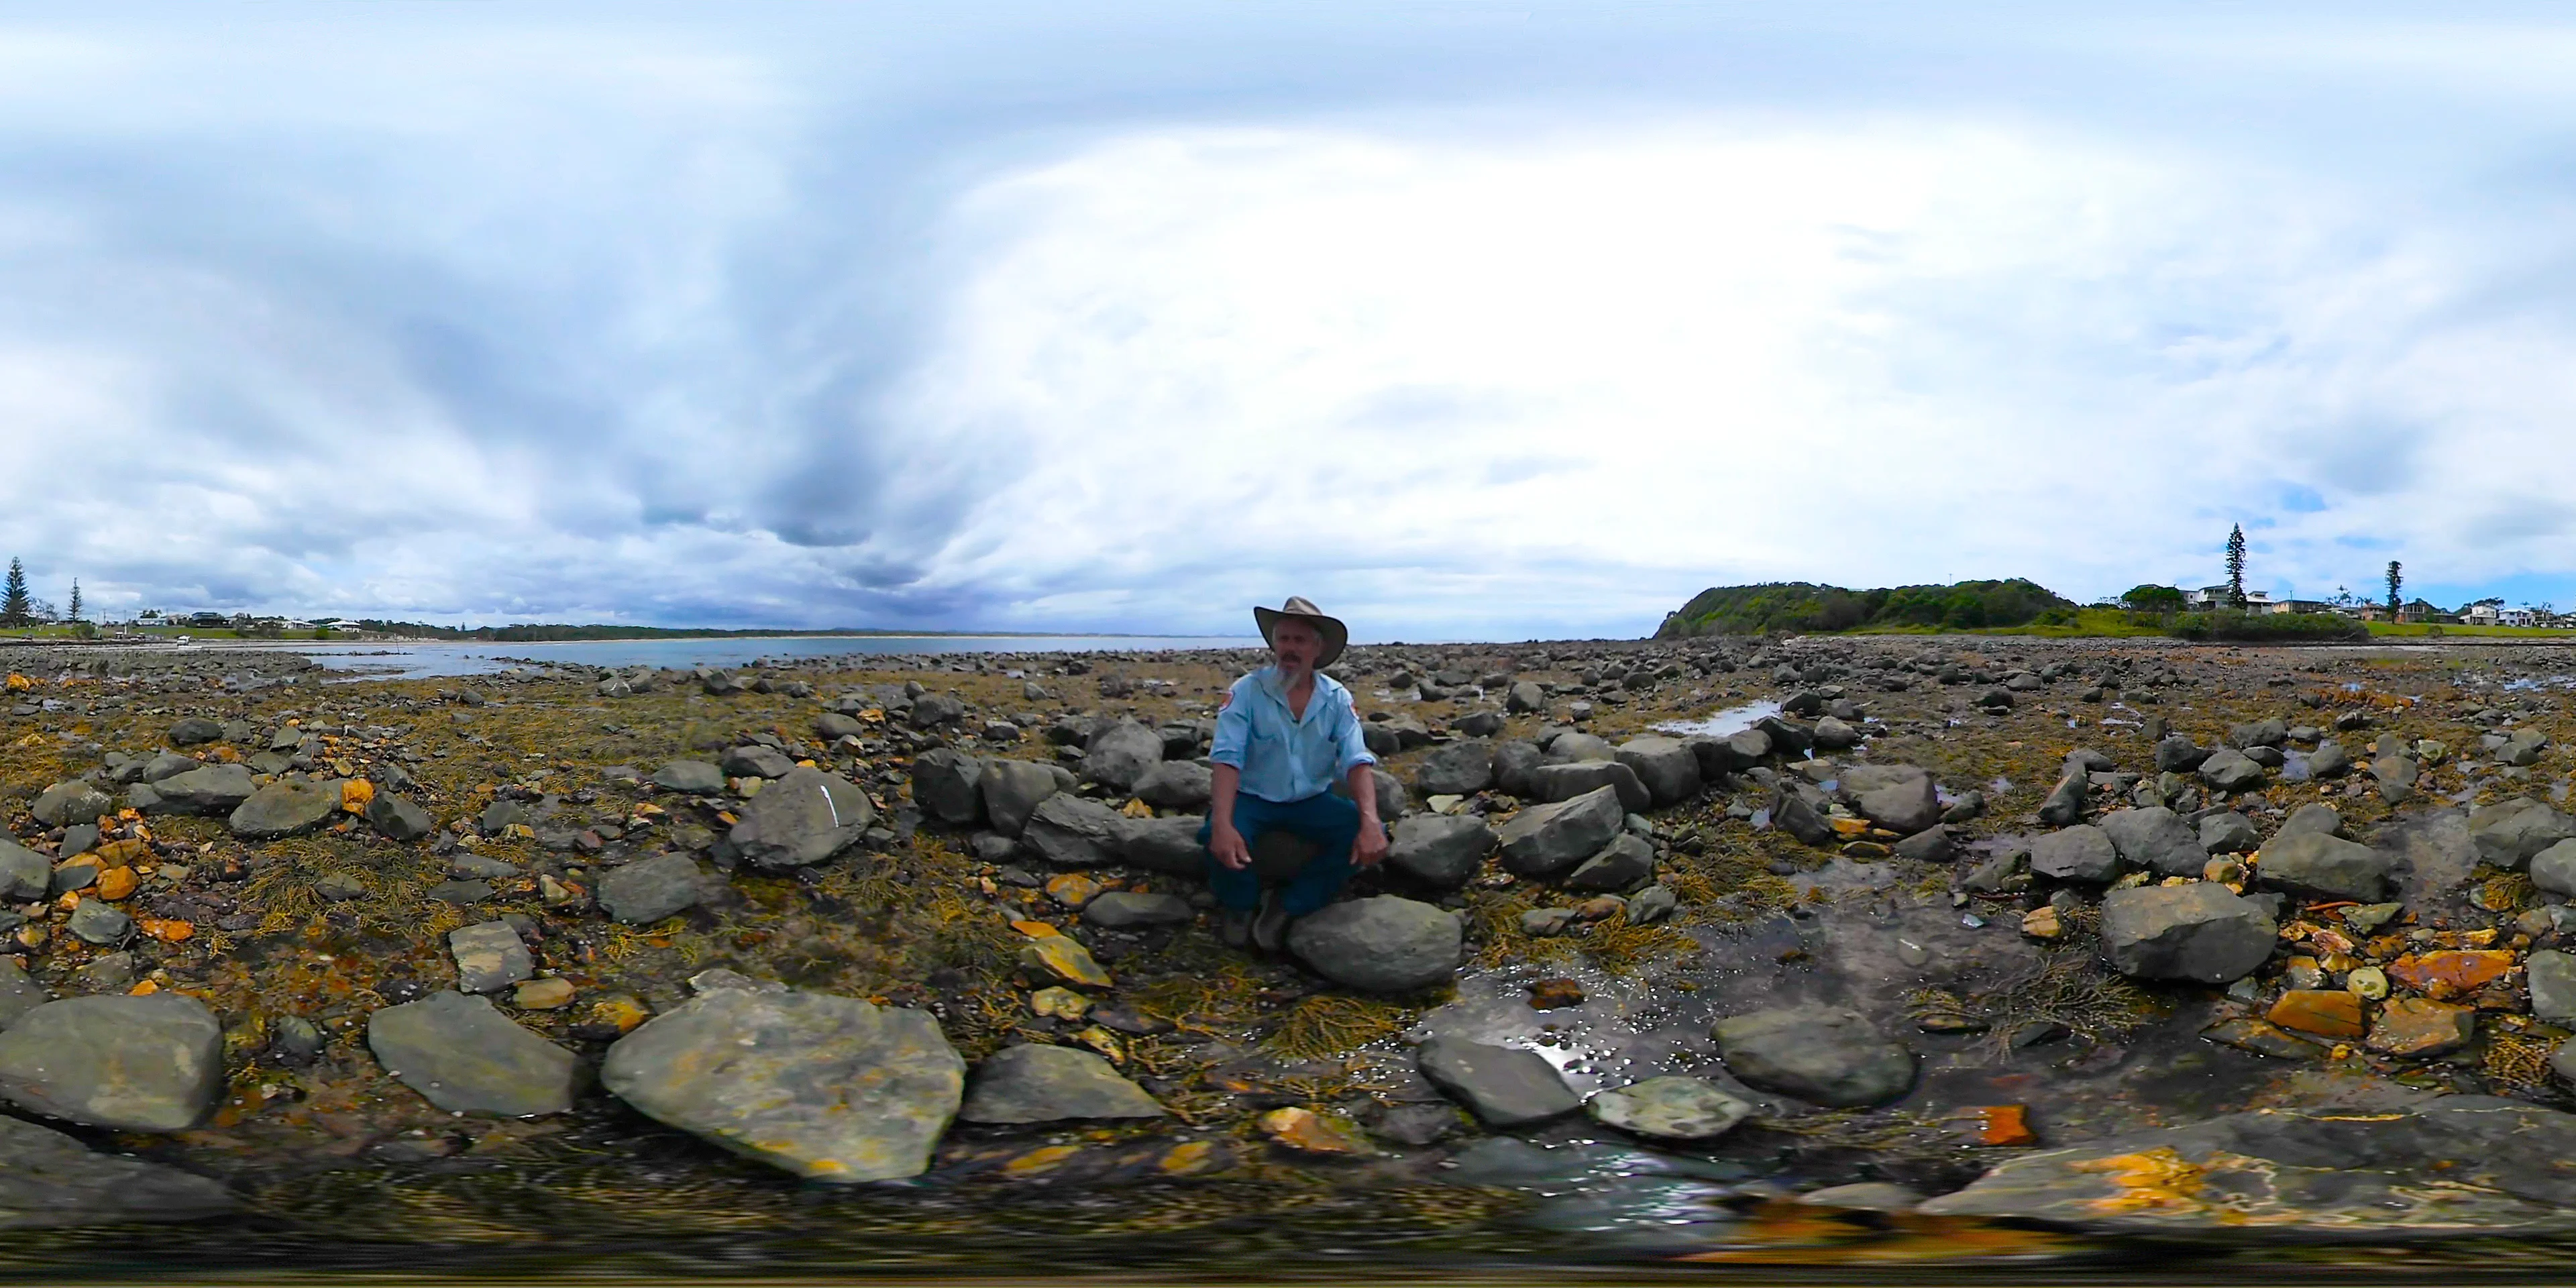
{"x": 2396, "y": 578}
{"x": 2236, "y": 566}
{"x": 75, "y": 612}
{"x": 16, "y": 609}
{"x": 2152, "y": 599}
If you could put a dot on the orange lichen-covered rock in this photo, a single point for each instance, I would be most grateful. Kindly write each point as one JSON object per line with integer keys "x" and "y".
{"x": 2325, "y": 1012}
{"x": 2450, "y": 974}
{"x": 2415, "y": 1027}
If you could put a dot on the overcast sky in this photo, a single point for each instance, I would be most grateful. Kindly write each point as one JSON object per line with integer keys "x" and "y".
{"x": 1465, "y": 320}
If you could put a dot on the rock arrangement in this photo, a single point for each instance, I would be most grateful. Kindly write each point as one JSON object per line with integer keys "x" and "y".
{"x": 865, "y": 922}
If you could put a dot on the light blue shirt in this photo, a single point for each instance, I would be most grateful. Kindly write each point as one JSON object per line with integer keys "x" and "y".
{"x": 1281, "y": 757}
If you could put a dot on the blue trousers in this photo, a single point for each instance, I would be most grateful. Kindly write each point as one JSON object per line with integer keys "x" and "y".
{"x": 1329, "y": 821}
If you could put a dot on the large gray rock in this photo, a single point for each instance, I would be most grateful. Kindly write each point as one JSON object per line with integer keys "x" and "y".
{"x": 1567, "y": 781}
{"x": 754, "y": 760}
{"x": 1012, "y": 790}
{"x": 2329, "y": 760}
{"x": 18, "y": 994}
{"x": 1624, "y": 862}
{"x": 1039, "y": 1084}
{"x": 802, "y": 820}
{"x": 1524, "y": 697}
{"x": 2552, "y": 977}
{"x": 2456, "y": 1165}
{"x": 213, "y": 789}
{"x": 2508, "y": 833}
{"x": 169, "y": 764}
{"x": 948, "y": 785}
{"x": 1168, "y": 844}
{"x": 24, "y": 874}
{"x": 1544, "y": 840}
{"x": 1177, "y": 784}
{"x": 1072, "y": 832}
{"x": 1440, "y": 850}
{"x": 1459, "y": 769}
{"x": 1823, "y": 1055}
{"x": 195, "y": 730}
{"x": 1900, "y": 798}
{"x": 1504, "y": 1086}
{"x": 396, "y": 818}
{"x": 2177, "y": 754}
{"x": 1120, "y": 754}
{"x": 2065, "y": 804}
{"x": 149, "y": 1063}
{"x": 1670, "y": 1108}
{"x": 2197, "y": 931}
{"x": 1514, "y": 762}
{"x": 464, "y": 1056}
{"x": 2155, "y": 838}
{"x": 97, "y": 921}
{"x": 2324, "y": 867}
{"x": 489, "y": 957}
{"x": 48, "y": 1179}
{"x": 64, "y": 804}
{"x": 1573, "y": 746}
{"x": 829, "y": 1088}
{"x": 1668, "y": 768}
{"x": 2079, "y": 853}
{"x": 695, "y": 777}
{"x": 2554, "y": 869}
{"x": 286, "y": 807}
{"x": 2230, "y": 770}
{"x": 1380, "y": 945}
{"x": 2228, "y": 832}
{"x": 648, "y": 890}
{"x": 2317, "y": 817}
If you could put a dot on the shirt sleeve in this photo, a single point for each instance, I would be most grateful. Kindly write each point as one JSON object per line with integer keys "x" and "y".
{"x": 1233, "y": 732}
{"x": 1354, "y": 746}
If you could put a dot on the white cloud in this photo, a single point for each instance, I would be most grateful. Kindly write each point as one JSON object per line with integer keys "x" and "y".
{"x": 1472, "y": 382}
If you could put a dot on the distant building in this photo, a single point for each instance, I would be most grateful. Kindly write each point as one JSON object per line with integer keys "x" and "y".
{"x": 2421, "y": 611}
{"x": 2300, "y": 605}
{"x": 2209, "y": 597}
{"x": 2482, "y": 615}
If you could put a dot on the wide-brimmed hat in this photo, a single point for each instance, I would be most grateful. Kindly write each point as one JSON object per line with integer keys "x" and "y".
{"x": 1336, "y": 636}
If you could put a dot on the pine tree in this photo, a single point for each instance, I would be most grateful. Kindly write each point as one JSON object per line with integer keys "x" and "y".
{"x": 2236, "y": 567}
{"x": 2396, "y": 578}
{"x": 16, "y": 609}
{"x": 75, "y": 614}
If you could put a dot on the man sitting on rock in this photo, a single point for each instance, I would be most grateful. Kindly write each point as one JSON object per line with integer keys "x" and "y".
{"x": 1287, "y": 733}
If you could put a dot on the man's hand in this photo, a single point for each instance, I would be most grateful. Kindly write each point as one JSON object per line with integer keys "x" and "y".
{"x": 1370, "y": 848}
{"x": 1228, "y": 847}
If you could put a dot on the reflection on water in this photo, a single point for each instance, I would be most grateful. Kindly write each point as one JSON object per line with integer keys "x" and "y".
{"x": 427, "y": 659}
{"x": 1720, "y": 724}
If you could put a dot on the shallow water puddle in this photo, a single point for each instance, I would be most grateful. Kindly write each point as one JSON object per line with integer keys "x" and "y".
{"x": 1720, "y": 724}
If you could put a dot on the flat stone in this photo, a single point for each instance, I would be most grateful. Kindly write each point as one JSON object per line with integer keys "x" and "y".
{"x": 1823, "y": 1055}
{"x": 211, "y": 789}
{"x": 24, "y": 874}
{"x": 1670, "y": 1108}
{"x": 2156, "y": 839}
{"x": 694, "y": 777}
{"x": 2325, "y": 1012}
{"x": 2316, "y": 817}
{"x": 2228, "y": 832}
{"x": 1668, "y": 767}
{"x": 1624, "y": 862}
{"x": 1060, "y": 958}
{"x": 648, "y": 890}
{"x": 2316, "y": 865}
{"x": 1034, "y": 1084}
{"x": 149, "y": 1063}
{"x": 1503, "y": 1086}
{"x": 1384, "y": 944}
{"x": 286, "y": 807}
{"x": 1574, "y": 779}
{"x": 1128, "y": 910}
{"x": 1864, "y": 1196}
{"x": 2552, "y": 977}
{"x": 489, "y": 957}
{"x": 48, "y": 1179}
{"x": 830, "y": 1088}
{"x": 2197, "y": 931}
{"x": 2230, "y": 770}
{"x": 948, "y": 785}
{"x": 71, "y": 802}
{"x": 1013, "y": 788}
{"x": 2413, "y": 1027}
{"x": 1458, "y": 769}
{"x": 464, "y": 1056}
{"x": 2082, "y": 852}
{"x": 2457, "y": 1165}
{"x": 1071, "y": 832}
{"x": 397, "y": 818}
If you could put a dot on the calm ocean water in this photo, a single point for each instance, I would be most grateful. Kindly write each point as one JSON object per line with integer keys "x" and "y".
{"x": 413, "y": 661}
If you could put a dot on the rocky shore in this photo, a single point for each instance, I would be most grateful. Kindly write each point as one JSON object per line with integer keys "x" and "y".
{"x": 1684, "y": 948}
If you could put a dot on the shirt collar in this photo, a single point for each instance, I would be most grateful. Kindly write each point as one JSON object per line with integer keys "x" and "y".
{"x": 1273, "y": 684}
